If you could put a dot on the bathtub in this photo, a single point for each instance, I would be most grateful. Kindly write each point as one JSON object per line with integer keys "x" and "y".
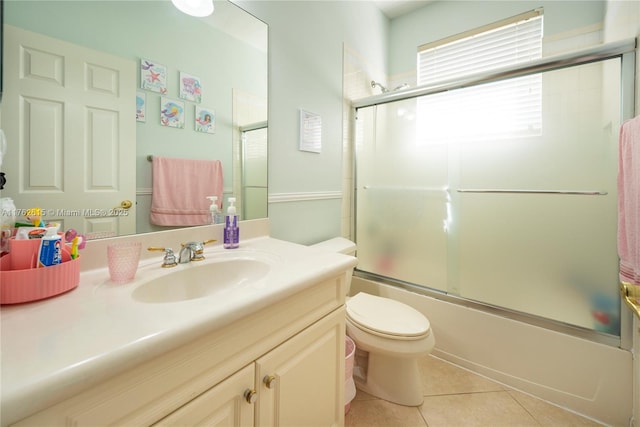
{"x": 583, "y": 376}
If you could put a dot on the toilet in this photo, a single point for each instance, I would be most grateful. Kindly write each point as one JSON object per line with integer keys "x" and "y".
{"x": 390, "y": 338}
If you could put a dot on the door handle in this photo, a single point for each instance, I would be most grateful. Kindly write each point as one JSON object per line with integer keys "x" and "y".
{"x": 125, "y": 204}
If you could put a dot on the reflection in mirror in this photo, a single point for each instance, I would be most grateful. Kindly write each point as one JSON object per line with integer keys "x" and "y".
{"x": 93, "y": 88}
{"x": 253, "y": 152}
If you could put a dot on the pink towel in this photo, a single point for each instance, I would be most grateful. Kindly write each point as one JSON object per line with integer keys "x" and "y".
{"x": 180, "y": 190}
{"x": 629, "y": 201}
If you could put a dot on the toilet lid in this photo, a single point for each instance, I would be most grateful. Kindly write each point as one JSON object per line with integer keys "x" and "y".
{"x": 386, "y": 316}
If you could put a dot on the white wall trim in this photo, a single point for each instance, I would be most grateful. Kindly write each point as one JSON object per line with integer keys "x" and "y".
{"x": 304, "y": 197}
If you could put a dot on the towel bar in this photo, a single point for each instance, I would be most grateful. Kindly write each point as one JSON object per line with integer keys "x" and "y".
{"x": 583, "y": 193}
{"x": 149, "y": 157}
{"x": 406, "y": 188}
{"x": 631, "y": 296}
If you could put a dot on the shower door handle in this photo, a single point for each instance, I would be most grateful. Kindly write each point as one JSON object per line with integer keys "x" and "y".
{"x": 514, "y": 191}
{"x": 631, "y": 296}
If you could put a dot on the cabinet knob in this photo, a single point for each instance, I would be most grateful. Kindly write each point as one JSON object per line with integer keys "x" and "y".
{"x": 269, "y": 381}
{"x": 250, "y": 396}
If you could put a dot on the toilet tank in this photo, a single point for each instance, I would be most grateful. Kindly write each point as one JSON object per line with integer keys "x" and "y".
{"x": 339, "y": 245}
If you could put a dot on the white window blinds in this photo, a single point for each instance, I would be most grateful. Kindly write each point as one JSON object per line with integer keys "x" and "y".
{"x": 504, "y": 109}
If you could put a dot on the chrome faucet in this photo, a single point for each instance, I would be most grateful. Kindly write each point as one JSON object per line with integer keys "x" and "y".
{"x": 191, "y": 251}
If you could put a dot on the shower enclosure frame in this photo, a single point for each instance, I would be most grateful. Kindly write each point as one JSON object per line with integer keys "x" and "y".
{"x": 625, "y": 50}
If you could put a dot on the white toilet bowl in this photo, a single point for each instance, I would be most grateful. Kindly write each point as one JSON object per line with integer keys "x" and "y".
{"x": 394, "y": 336}
{"x": 390, "y": 338}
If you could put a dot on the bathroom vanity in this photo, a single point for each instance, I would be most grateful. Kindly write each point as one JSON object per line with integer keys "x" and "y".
{"x": 267, "y": 351}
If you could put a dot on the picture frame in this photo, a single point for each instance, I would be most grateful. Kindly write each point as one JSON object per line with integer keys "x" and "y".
{"x": 205, "y": 120}
{"x": 190, "y": 87}
{"x": 141, "y": 106}
{"x": 153, "y": 76}
{"x": 171, "y": 113}
{"x": 310, "y": 132}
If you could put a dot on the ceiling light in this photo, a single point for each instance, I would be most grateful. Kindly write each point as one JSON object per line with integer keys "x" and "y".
{"x": 199, "y": 8}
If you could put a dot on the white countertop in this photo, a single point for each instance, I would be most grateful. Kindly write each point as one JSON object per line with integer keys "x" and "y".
{"x": 55, "y": 348}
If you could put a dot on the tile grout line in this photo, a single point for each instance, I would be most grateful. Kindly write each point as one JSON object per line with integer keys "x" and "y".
{"x": 524, "y": 407}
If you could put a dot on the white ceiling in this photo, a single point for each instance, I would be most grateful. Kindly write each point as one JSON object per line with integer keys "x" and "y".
{"x": 234, "y": 21}
{"x": 395, "y": 8}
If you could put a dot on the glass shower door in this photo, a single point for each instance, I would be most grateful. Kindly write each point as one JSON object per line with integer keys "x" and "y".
{"x": 402, "y": 210}
{"x": 525, "y": 222}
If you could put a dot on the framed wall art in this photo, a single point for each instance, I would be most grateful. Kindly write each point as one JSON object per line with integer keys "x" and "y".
{"x": 310, "y": 132}
{"x": 153, "y": 76}
{"x": 205, "y": 120}
{"x": 171, "y": 113}
{"x": 141, "y": 106}
{"x": 190, "y": 87}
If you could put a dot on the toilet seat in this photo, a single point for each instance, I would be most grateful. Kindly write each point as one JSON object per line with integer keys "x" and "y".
{"x": 386, "y": 317}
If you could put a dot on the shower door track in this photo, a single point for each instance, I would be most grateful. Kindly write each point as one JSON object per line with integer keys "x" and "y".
{"x": 519, "y": 316}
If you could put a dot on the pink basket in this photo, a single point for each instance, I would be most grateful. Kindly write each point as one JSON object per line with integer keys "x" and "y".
{"x": 32, "y": 284}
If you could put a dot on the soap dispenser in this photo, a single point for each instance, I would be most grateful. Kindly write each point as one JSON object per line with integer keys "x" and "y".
{"x": 231, "y": 228}
{"x": 216, "y": 215}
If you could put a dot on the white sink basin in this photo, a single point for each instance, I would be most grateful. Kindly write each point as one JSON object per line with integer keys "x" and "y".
{"x": 192, "y": 281}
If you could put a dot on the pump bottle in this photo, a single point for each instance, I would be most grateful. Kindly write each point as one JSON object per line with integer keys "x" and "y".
{"x": 216, "y": 215}
{"x": 231, "y": 227}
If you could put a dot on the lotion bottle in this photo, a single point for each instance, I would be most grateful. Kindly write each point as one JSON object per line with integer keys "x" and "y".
{"x": 216, "y": 215}
{"x": 231, "y": 229}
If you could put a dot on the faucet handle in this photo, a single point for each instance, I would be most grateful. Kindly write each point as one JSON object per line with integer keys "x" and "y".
{"x": 197, "y": 248}
{"x": 169, "y": 259}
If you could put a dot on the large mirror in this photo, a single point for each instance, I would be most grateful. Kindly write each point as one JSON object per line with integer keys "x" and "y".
{"x": 95, "y": 89}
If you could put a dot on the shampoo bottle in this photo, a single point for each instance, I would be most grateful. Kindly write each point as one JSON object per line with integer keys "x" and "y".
{"x": 216, "y": 215}
{"x": 231, "y": 229}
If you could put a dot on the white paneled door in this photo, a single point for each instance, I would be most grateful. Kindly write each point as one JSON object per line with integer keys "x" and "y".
{"x": 69, "y": 116}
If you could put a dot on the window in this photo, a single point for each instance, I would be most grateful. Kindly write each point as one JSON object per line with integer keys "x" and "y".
{"x": 498, "y": 110}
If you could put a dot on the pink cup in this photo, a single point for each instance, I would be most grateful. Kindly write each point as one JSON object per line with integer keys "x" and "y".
{"x": 123, "y": 261}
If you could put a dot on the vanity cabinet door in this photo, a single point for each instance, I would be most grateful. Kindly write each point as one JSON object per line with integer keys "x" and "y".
{"x": 301, "y": 382}
{"x": 225, "y": 404}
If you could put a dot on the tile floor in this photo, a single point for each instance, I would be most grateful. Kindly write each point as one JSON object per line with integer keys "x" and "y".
{"x": 455, "y": 397}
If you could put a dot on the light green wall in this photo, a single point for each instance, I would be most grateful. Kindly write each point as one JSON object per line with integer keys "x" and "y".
{"x": 305, "y": 71}
{"x": 445, "y": 18}
{"x": 622, "y": 21}
{"x": 306, "y": 41}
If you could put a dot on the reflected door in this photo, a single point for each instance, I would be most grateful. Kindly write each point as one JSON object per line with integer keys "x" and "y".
{"x": 69, "y": 117}
{"x": 254, "y": 173}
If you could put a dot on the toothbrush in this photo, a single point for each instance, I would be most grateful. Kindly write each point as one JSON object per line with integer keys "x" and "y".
{"x": 74, "y": 248}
